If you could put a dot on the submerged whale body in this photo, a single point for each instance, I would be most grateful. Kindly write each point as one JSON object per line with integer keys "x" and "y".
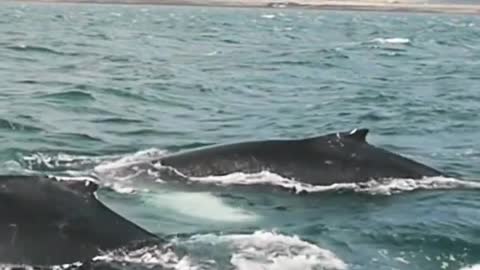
{"x": 48, "y": 222}
{"x": 333, "y": 158}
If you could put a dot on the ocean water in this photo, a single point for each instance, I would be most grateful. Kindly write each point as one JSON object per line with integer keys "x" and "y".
{"x": 95, "y": 90}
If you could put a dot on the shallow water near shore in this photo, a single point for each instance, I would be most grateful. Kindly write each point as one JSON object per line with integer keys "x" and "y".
{"x": 97, "y": 90}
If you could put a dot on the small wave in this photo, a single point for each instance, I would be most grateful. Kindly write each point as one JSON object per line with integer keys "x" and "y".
{"x": 384, "y": 187}
{"x": 117, "y": 120}
{"x": 76, "y": 137}
{"x": 142, "y": 132}
{"x": 213, "y": 53}
{"x": 473, "y": 267}
{"x": 268, "y": 16}
{"x": 116, "y": 58}
{"x": 392, "y": 40}
{"x": 15, "y": 126}
{"x": 128, "y": 95}
{"x": 24, "y": 47}
{"x": 27, "y": 81}
{"x": 270, "y": 250}
{"x": 70, "y": 96}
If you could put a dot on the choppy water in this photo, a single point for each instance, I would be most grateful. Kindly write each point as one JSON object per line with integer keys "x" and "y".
{"x": 89, "y": 89}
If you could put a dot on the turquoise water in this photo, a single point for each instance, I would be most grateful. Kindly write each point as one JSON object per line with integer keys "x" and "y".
{"x": 90, "y": 89}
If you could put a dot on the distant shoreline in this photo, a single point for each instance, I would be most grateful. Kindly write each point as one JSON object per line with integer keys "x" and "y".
{"x": 367, "y": 5}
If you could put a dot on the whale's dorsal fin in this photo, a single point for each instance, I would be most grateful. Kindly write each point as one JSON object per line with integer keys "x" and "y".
{"x": 359, "y": 135}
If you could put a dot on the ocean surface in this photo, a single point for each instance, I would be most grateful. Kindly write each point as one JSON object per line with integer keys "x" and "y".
{"x": 95, "y": 90}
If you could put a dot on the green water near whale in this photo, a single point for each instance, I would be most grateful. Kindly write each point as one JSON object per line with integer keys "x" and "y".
{"x": 89, "y": 88}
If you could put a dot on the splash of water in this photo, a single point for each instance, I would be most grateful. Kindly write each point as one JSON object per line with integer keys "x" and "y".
{"x": 272, "y": 251}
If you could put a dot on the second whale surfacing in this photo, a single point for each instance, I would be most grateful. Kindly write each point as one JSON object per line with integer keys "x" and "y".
{"x": 45, "y": 221}
{"x": 343, "y": 157}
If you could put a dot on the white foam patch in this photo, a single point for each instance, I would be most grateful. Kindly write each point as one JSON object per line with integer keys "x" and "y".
{"x": 151, "y": 256}
{"x": 473, "y": 267}
{"x": 268, "y": 16}
{"x": 119, "y": 172}
{"x": 115, "y": 171}
{"x": 271, "y": 251}
{"x": 202, "y": 205}
{"x": 130, "y": 160}
{"x": 123, "y": 174}
{"x": 122, "y": 189}
{"x": 392, "y": 40}
{"x": 61, "y": 160}
{"x": 391, "y": 186}
{"x": 384, "y": 187}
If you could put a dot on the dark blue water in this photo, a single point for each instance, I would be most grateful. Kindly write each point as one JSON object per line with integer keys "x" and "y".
{"x": 90, "y": 89}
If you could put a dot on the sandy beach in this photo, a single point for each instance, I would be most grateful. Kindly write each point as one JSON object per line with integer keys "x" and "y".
{"x": 424, "y": 6}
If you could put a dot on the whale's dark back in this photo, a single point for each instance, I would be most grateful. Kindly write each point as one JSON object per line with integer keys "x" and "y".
{"x": 48, "y": 222}
{"x": 332, "y": 158}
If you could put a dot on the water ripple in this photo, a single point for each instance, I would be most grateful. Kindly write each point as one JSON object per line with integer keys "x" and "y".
{"x": 28, "y": 48}
{"x": 77, "y": 96}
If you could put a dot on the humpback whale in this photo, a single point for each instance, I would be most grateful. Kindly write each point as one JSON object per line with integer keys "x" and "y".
{"x": 45, "y": 221}
{"x": 323, "y": 160}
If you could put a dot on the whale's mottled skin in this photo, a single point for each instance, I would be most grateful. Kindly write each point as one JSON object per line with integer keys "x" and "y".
{"x": 44, "y": 221}
{"x": 332, "y": 158}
